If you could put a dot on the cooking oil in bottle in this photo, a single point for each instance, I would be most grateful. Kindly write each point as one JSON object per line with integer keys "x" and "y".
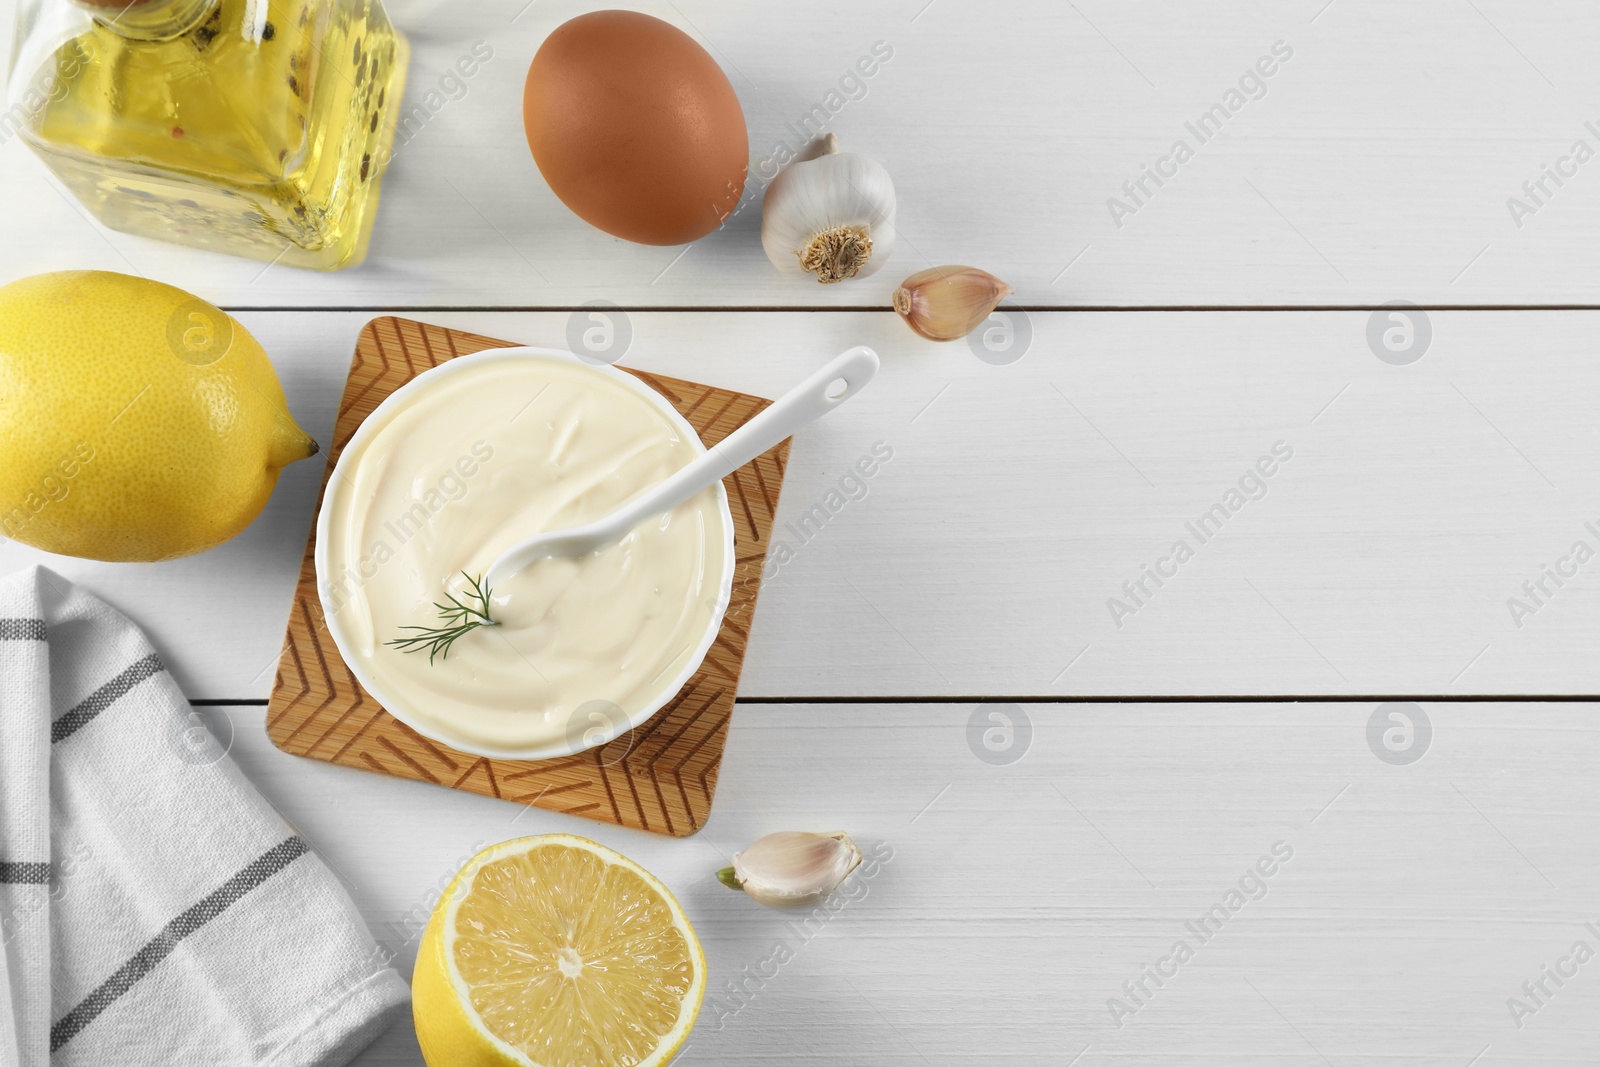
{"x": 258, "y": 128}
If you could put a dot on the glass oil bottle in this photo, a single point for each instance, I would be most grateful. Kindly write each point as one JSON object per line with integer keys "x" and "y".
{"x": 257, "y": 128}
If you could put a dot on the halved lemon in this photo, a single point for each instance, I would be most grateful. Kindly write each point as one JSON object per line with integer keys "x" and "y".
{"x": 555, "y": 951}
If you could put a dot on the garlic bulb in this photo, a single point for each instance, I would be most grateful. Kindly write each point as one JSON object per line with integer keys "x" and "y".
{"x": 792, "y": 869}
{"x": 830, "y": 214}
{"x": 947, "y": 303}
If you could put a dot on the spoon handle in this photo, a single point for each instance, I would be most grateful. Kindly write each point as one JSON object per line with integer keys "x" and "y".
{"x": 813, "y": 398}
{"x": 832, "y": 385}
{"x": 810, "y": 400}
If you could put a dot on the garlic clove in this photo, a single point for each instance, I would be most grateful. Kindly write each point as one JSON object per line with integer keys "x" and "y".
{"x": 829, "y": 214}
{"x": 947, "y": 303}
{"x": 792, "y": 869}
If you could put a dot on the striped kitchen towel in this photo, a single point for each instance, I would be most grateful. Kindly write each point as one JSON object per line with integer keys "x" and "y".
{"x": 153, "y": 908}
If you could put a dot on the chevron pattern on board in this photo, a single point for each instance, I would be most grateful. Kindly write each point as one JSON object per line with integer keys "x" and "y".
{"x": 660, "y": 777}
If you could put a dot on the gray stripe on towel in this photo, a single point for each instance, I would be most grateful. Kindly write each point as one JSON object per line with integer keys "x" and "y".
{"x": 162, "y": 945}
{"x": 104, "y": 697}
{"x": 22, "y": 630}
{"x": 13, "y": 873}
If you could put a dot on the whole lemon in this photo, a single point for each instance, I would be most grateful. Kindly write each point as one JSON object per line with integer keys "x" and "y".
{"x": 137, "y": 422}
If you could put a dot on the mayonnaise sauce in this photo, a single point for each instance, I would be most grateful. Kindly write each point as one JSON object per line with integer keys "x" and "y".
{"x": 480, "y": 459}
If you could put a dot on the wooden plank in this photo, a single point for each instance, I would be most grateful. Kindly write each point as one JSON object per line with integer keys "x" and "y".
{"x": 1020, "y": 897}
{"x": 1377, "y": 165}
{"x": 1019, "y": 498}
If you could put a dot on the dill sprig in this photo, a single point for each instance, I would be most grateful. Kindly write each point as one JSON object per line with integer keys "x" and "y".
{"x": 457, "y": 620}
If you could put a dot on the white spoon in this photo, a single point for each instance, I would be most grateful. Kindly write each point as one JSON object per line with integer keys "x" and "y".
{"x": 805, "y": 403}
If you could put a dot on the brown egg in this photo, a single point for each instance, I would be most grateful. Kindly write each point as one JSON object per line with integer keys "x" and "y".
{"x": 636, "y": 128}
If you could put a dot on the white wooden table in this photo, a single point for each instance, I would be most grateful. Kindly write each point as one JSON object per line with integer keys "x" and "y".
{"x": 1157, "y": 750}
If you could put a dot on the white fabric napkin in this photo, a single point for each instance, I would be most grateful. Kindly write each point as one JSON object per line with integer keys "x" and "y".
{"x": 154, "y": 909}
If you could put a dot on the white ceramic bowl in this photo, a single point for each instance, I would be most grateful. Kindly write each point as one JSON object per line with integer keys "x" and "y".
{"x": 575, "y": 740}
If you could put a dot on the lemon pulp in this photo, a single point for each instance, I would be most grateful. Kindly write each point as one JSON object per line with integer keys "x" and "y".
{"x": 563, "y": 952}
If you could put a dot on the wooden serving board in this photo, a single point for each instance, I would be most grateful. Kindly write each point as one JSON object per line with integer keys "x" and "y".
{"x": 660, "y": 777}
